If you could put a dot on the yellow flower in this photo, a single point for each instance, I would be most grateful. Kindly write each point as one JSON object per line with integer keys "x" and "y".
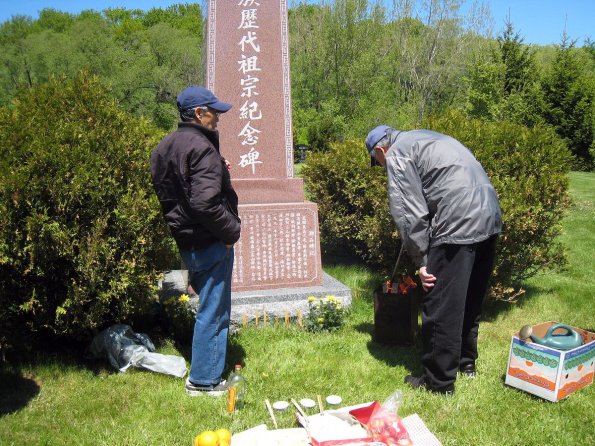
{"x": 311, "y": 298}
{"x": 331, "y": 298}
{"x": 339, "y": 306}
{"x": 184, "y": 298}
{"x": 321, "y": 320}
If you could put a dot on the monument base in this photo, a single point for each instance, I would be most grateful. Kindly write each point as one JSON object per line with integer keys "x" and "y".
{"x": 249, "y": 304}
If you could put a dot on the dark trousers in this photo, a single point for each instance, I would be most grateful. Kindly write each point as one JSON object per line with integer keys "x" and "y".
{"x": 451, "y": 310}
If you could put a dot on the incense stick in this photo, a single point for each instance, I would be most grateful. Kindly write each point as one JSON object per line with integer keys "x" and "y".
{"x": 320, "y": 404}
{"x": 299, "y": 408}
{"x": 270, "y": 409}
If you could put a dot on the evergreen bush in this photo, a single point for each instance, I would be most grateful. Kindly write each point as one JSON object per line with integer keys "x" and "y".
{"x": 528, "y": 168}
{"x": 82, "y": 240}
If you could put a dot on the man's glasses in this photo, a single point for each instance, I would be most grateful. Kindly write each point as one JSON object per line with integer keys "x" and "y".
{"x": 373, "y": 161}
{"x": 216, "y": 113}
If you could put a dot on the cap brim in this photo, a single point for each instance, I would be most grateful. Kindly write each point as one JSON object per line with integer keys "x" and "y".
{"x": 221, "y": 106}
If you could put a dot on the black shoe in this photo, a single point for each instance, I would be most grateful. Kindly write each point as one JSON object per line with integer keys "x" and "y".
{"x": 419, "y": 382}
{"x": 416, "y": 382}
{"x": 468, "y": 370}
{"x": 213, "y": 390}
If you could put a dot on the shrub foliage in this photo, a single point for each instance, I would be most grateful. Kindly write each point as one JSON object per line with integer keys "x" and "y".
{"x": 352, "y": 204}
{"x": 527, "y": 167}
{"x": 81, "y": 236}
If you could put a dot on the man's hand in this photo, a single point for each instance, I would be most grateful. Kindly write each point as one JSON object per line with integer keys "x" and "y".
{"x": 427, "y": 279}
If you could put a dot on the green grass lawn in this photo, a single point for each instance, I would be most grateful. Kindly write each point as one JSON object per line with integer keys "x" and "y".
{"x": 62, "y": 399}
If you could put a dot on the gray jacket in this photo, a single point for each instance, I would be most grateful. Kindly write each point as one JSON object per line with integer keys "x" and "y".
{"x": 438, "y": 193}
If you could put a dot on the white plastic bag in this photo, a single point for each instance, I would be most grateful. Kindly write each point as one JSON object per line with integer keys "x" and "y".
{"x": 157, "y": 362}
{"x": 123, "y": 348}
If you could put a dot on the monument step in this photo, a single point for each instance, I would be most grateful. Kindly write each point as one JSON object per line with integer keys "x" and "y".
{"x": 281, "y": 300}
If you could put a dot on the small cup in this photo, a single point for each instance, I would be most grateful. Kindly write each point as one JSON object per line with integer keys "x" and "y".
{"x": 307, "y": 403}
{"x": 334, "y": 400}
{"x": 280, "y": 405}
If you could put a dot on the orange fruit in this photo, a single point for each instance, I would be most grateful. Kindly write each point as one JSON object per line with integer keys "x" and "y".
{"x": 224, "y": 436}
{"x": 224, "y": 443}
{"x": 207, "y": 438}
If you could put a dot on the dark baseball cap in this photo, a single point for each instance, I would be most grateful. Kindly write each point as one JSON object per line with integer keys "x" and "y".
{"x": 196, "y": 96}
{"x": 375, "y": 135}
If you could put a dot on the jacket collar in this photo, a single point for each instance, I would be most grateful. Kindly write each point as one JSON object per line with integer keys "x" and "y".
{"x": 192, "y": 127}
{"x": 393, "y": 135}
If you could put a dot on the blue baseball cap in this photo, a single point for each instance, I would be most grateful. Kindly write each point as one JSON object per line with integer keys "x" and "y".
{"x": 375, "y": 135}
{"x": 196, "y": 96}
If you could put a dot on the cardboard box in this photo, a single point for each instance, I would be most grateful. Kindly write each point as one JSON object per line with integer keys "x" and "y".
{"x": 547, "y": 372}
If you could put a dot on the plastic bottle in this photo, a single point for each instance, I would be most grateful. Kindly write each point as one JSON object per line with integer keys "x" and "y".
{"x": 237, "y": 390}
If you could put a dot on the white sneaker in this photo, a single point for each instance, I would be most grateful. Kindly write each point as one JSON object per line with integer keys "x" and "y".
{"x": 212, "y": 390}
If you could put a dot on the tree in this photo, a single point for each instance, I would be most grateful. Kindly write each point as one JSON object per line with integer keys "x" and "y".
{"x": 331, "y": 45}
{"x": 517, "y": 60}
{"x": 485, "y": 80}
{"x": 16, "y": 70}
{"x": 54, "y": 20}
{"x": 590, "y": 47}
{"x": 375, "y": 63}
{"x": 428, "y": 47}
{"x": 187, "y": 17}
{"x": 333, "y": 59}
{"x": 569, "y": 96}
{"x": 146, "y": 58}
{"x": 504, "y": 86}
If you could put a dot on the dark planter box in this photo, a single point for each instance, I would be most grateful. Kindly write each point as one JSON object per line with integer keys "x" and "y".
{"x": 395, "y": 317}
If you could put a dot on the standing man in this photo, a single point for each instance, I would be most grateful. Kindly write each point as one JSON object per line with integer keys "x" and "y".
{"x": 192, "y": 181}
{"x": 448, "y": 217}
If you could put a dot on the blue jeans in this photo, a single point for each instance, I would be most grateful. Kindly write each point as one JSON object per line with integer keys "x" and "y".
{"x": 209, "y": 273}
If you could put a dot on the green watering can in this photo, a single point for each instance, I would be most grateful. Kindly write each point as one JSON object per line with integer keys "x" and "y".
{"x": 560, "y": 341}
